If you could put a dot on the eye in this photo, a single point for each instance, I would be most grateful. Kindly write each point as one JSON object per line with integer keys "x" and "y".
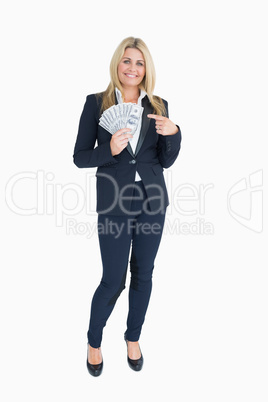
{"x": 126, "y": 61}
{"x": 140, "y": 64}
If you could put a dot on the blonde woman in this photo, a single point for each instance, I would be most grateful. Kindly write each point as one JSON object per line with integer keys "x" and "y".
{"x": 131, "y": 192}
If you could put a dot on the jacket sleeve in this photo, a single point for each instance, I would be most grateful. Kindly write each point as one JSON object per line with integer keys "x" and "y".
{"x": 168, "y": 146}
{"x": 86, "y": 155}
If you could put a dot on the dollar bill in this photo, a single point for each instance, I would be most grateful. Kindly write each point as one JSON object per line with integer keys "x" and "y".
{"x": 123, "y": 115}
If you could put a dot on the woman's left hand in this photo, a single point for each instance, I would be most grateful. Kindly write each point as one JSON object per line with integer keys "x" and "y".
{"x": 163, "y": 125}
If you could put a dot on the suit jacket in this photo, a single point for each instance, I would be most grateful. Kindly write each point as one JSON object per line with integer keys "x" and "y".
{"x": 116, "y": 174}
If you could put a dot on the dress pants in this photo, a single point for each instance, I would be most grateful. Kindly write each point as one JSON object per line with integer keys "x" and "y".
{"x": 141, "y": 232}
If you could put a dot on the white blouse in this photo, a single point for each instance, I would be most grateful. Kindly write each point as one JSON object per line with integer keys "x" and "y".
{"x": 133, "y": 141}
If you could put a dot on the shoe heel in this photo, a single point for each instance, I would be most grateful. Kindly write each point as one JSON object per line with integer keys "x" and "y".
{"x": 135, "y": 365}
{"x": 94, "y": 369}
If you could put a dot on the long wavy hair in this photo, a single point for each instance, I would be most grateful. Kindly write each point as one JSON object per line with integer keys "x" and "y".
{"x": 147, "y": 84}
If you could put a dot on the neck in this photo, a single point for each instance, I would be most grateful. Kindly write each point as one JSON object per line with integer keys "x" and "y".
{"x": 131, "y": 94}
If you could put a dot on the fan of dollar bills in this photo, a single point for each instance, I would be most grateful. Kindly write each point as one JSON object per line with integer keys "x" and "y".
{"x": 123, "y": 115}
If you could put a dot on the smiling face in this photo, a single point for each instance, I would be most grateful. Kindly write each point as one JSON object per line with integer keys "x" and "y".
{"x": 131, "y": 69}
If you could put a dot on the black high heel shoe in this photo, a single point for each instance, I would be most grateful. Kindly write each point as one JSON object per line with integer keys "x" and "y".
{"x": 94, "y": 369}
{"x": 137, "y": 364}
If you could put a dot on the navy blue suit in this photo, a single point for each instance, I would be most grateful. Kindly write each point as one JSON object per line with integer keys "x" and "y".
{"x": 153, "y": 153}
{"x": 121, "y": 205}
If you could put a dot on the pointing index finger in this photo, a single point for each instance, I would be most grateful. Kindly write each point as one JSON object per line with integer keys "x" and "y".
{"x": 155, "y": 116}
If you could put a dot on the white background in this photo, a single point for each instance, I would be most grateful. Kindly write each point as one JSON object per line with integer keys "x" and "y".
{"x": 205, "y": 337}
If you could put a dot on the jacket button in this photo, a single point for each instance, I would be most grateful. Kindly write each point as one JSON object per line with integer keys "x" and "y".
{"x": 133, "y": 161}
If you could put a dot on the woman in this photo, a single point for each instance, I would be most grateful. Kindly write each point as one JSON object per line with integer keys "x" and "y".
{"x": 131, "y": 192}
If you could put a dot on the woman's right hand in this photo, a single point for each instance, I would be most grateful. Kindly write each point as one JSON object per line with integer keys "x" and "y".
{"x": 119, "y": 140}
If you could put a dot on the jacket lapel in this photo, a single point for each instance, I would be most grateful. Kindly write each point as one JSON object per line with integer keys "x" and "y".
{"x": 147, "y": 109}
{"x": 130, "y": 150}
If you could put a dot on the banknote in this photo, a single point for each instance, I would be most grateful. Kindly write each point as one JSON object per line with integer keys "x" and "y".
{"x": 123, "y": 115}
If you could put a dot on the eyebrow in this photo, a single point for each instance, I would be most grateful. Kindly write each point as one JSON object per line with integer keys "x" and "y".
{"x": 130, "y": 59}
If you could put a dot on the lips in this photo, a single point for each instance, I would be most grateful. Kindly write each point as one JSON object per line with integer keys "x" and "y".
{"x": 131, "y": 75}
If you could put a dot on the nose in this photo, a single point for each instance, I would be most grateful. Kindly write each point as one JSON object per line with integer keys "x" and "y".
{"x": 132, "y": 67}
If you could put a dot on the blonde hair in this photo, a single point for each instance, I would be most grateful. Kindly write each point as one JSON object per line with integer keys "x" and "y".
{"x": 147, "y": 84}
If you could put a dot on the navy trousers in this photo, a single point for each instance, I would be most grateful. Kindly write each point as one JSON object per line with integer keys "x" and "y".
{"x": 141, "y": 232}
